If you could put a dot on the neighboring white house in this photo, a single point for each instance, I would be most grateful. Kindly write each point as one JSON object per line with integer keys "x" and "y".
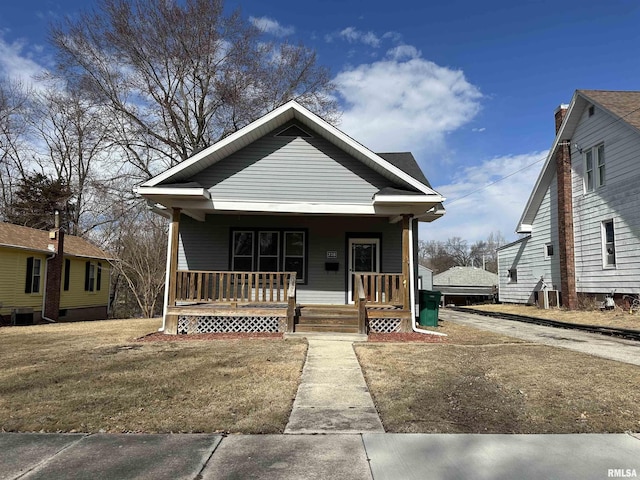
{"x": 425, "y": 278}
{"x": 582, "y": 220}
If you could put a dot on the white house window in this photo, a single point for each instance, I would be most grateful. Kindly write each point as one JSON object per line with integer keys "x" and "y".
{"x": 512, "y": 275}
{"x": 594, "y": 168}
{"x": 34, "y": 268}
{"x": 608, "y": 244}
{"x": 548, "y": 250}
{"x": 270, "y": 251}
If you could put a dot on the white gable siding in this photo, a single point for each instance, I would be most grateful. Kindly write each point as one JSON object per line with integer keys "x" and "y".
{"x": 528, "y": 256}
{"x": 289, "y": 169}
{"x": 618, "y": 199}
{"x": 205, "y": 246}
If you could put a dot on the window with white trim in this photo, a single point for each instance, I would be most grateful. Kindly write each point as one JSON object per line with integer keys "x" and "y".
{"x": 512, "y": 275}
{"x": 32, "y": 282}
{"x": 278, "y": 250}
{"x": 608, "y": 244}
{"x": 594, "y": 168}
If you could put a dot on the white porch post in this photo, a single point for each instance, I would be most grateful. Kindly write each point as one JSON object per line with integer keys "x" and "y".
{"x": 171, "y": 321}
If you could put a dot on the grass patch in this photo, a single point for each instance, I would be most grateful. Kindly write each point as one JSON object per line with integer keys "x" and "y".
{"x": 475, "y": 384}
{"x": 94, "y": 376}
{"x": 609, "y": 318}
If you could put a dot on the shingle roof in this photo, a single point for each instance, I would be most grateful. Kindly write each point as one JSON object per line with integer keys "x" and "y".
{"x": 623, "y": 104}
{"x": 38, "y": 240}
{"x": 465, "y": 276}
{"x": 406, "y": 162}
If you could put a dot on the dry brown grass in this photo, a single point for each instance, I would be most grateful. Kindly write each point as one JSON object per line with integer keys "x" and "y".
{"x": 612, "y": 318}
{"x": 498, "y": 386}
{"x": 94, "y": 376}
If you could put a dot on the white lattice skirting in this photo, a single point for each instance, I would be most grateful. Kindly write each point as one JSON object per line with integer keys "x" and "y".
{"x": 205, "y": 324}
{"x": 385, "y": 325}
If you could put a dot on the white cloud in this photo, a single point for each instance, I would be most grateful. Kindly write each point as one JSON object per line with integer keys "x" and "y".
{"x": 475, "y": 207}
{"x": 353, "y": 35}
{"x": 478, "y": 130}
{"x": 15, "y": 62}
{"x": 271, "y": 26}
{"x": 404, "y": 102}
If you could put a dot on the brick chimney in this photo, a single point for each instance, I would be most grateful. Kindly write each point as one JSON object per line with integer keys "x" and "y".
{"x": 565, "y": 217}
{"x": 54, "y": 273}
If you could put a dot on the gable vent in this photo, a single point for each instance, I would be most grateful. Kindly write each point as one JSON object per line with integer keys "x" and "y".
{"x": 293, "y": 131}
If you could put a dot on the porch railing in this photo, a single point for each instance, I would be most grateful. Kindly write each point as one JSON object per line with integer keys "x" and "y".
{"x": 381, "y": 288}
{"x": 234, "y": 287}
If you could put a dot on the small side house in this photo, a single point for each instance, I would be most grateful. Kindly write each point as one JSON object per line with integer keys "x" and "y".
{"x": 466, "y": 286}
{"x": 50, "y": 276}
{"x": 581, "y": 223}
{"x": 291, "y": 225}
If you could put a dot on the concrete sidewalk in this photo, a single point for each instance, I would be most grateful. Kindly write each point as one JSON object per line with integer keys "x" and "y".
{"x": 619, "y": 349}
{"x": 342, "y": 456}
{"x": 333, "y": 396}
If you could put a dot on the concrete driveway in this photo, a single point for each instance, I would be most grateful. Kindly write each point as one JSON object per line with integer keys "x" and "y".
{"x": 621, "y": 350}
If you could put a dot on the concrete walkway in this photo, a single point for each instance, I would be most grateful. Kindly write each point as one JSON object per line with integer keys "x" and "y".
{"x": 288, "y": 457}
{"x": 619, "y": 349}
{"x": 333, "y": 396}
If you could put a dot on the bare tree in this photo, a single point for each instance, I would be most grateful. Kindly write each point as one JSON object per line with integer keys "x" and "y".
{"x": 13, "y": 134}
{"x": 76, "y": 142}
{"x": 441, "y": 256}
{"x": 179, "y": 76}
{"x": 139, "y": 262}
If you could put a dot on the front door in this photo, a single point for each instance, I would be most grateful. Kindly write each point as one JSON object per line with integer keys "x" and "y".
{"x": 364, "y": 256}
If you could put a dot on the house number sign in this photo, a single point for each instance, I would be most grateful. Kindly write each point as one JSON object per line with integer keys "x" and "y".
{"x": 332, "y": 254}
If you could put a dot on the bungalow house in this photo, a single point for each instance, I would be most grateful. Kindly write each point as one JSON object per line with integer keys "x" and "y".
{"x": 291, "y": 225}
{"x": 581, "y": 223}
{"x": 51, "y": 276}
{"x": 466, "y": 286}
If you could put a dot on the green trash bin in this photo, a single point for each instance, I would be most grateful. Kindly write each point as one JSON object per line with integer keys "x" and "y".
{"x": 429, "y": 302}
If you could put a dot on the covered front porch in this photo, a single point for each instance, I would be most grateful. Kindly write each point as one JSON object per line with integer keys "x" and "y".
{"x": 205, "y": 301}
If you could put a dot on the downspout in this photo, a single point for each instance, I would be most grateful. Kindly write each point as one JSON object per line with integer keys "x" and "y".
{"x": 166, "y": 280}
{"x": 412, "y": 292}
{"x": 44, "y": 293}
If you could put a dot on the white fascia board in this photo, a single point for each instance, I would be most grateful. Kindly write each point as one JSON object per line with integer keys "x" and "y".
{"x": 274, "y": 207}
{"x": 341, "y": 137}
{"x": 197, "y": 192}
{"x": 408, "y": 199}
{"x": 546, "y": 174}
{"x": 225, "y": 142}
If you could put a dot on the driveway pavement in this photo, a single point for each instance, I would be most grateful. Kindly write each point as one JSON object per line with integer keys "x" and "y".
{"x": 621, "y": 350}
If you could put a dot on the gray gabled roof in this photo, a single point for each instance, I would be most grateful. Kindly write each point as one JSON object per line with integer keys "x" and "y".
{"x": 465, "y": 276}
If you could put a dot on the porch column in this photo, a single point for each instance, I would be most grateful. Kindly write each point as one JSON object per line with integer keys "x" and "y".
{"x": 405, "y": 261}
{"x": 171, "y": 320}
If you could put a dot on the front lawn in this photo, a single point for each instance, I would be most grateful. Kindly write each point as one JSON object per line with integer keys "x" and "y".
{"x": 95, "y": 376}
{"x": 479, "y": 383}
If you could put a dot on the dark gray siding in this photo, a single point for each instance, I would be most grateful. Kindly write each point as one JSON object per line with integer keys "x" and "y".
{"x": 205, "y": 246}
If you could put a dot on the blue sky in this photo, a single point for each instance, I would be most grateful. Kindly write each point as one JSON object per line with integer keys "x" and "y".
{"x": 469, "y": 87}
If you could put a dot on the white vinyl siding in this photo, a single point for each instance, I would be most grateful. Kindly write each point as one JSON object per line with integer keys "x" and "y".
{"x": 527, "y": 257}
{"x": 618, "y": 199}
{"x": 205, "y": 246}
{"x": 285, "y": 169}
